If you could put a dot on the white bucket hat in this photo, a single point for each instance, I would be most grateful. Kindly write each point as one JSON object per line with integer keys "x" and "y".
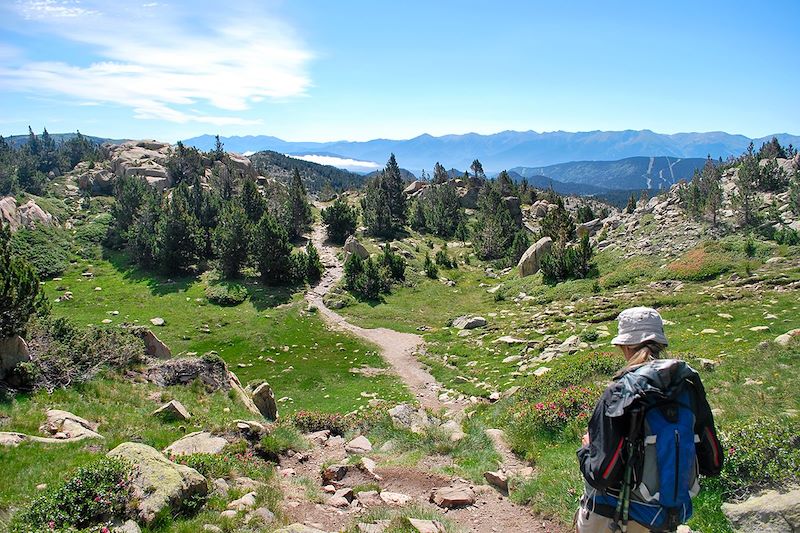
{"x": 638, "y": 325}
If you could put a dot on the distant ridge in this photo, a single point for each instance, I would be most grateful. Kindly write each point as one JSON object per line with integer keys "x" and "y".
{"x": 510, "y": 149}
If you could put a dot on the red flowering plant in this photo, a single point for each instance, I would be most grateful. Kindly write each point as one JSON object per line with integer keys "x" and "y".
{"x": 556, "y": 410}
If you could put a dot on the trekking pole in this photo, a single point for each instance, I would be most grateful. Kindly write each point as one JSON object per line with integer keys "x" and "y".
{"x": 623, "y": 505}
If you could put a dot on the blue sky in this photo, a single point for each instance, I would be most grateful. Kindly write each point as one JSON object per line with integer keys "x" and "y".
{"x": 329, "y": 70}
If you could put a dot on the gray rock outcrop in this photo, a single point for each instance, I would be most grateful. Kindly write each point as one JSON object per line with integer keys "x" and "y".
{"x": 264, "y": 399}
{"x": 531, "y": 260}
{"x": 771, "y": 512}
{"x": 157, "y": 482}
{"x": 197, "y": 442}
{"x": 13, "y": 351}
{"x": 352, "y": 246}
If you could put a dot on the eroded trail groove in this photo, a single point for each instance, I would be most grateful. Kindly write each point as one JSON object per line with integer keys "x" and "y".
{"x": 493, "y": 512}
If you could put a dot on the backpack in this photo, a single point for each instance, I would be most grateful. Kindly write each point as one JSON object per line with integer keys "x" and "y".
{"x": 662, "y": 458}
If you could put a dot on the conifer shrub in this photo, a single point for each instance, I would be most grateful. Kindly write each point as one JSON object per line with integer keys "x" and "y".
{"x": 430, "y": 268}
{"x": 227, "y": 294}
{"x": 44, "y": 247}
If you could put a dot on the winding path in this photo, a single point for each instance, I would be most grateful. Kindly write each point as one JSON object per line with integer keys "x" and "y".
{"x": 398, "y": 349}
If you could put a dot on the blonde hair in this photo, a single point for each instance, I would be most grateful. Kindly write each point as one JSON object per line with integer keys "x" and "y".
{"x": 645, "y": 352}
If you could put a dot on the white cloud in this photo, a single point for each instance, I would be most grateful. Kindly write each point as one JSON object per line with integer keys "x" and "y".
{"x": 340, "y": 162}
{"x": 166, "y": 62}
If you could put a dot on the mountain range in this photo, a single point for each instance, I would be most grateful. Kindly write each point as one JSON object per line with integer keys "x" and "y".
{"x": 508, "y": 149}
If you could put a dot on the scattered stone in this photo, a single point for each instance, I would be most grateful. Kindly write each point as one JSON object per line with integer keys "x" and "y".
{"x": 262, "y": 514}
{"x": 264, "y": 399}
{"x": 759, "y": 328}
{"x": 469, "y": 322}
{"x": 378, "y": 527}
{"x": 708, "y": 331}
{"x": 299, "y": 528}
{"x": 248, "y": 501}
{"x": 508, "y": 339}
{"x": 107, "y": 321}
{"x": 158, "y": 321}
{"x": 708, "y": 364}
{"x": 334, "y": 473}
{"x": 455, "y": 496}
{"x": 369, "y": 498}
{"x": 541, "y": 371}
{"x": 497, "y": 479}
{"x": 65, "y": 425}
{"x": 41, "y": 486}
{"x": 212, "y": 528}
{"x": 229, "y": 514}
{"x": 771, "y": 512}
{"x": 153, "y": 346}
{"x": 129, "y": 526}
{"x": 359, "y": 445}
{"x": 426, "y": 526}
{"x": 341, "y": 498}
{"x": 319, "y": 437}
{"x": 158, "y": 483}
{"x": 394, "y": 498}
{"x": 197, "y": 442}
{"x": 220, "y": 486}
{"x": 173, "y": 410}
{"x": 512, "y": 359}
{"x": 369, "y": 466}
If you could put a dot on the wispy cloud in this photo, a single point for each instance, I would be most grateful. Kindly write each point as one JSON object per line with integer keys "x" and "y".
{"x": 202, "y": 64}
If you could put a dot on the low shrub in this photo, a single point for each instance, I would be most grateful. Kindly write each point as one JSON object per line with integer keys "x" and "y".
{"x": 282, "y": 439}
{"x": 786, "y": 236}
{"x": 310, "y": 421}
{"x": 431, "y": 270}
{"x": 90, "y": 236}
{"x": 44, "y": 247}
{"x": 228, "y": 464}
{"x": 759, "y": 453}
{"x": 575, "y": 369}
{"x": 227, "y": 294}
{"x": 557, "y": 409}
{"x": 699, "y": 264}
{"x": 626, "y": 273}
{"x": 94, "y": 495}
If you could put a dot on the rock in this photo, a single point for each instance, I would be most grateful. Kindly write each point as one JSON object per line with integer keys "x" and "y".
{"x": 394, "y": 498}
{"x": 11, "y": 439}
{"x": 368, "y": 466}
{"x": 469, "y": 322}
{"x": 298, "y": 528}
{"x": 589, "y": 228}
{"x": 173, "y": 410}
{"x": 230, "y": 514}
{"x": 212, "y": 528}
{"x": 708, "y": 364}
{"x": 759, "y": 328}
{"x": 541, "y": 371}
{"x": 341, "y": 498}
{"x": 784, "y": 340}
{"x": 530, "y": 261}
{"x": 334, "y": 473}
{"x": 378, "y": 527}
{"x": 771, "y": 512}
{"x": 426, "y": 526}
{"x": 153, "y": 346}
{"x": 236, "y": 386}
{"x": 455, "y": 496}
{"x": 65, "y": 425}
{"x": 513, "y": 205}
{"x": 27, "y": 215}
{"x": 13, "y": 351}
{"x": 264, "y": 399}
{"x": 352, "y": 246}
{"x": 158, "y": 321}
{"x": 127, "y": 527}
{"x": 405, "y": 416}
{"x": 319, "y": 437}
{"x": 248, "y": 501}
{"x": 512, "y": 359}
{"x": 197, "y": 442}
{"x": 497, "y": 479}
{"x": 708, "y": 331}
{"x": 211, "y": 371}
{"x": 158, "y": 483}
{"x": 220, "y": 486}
{"x": 508, "y": 339}
{"x": 369, "y": 498}
{"x": 414, "y": 187}
{"x": 359, "y": 445}
{"x": 262, "y": 515}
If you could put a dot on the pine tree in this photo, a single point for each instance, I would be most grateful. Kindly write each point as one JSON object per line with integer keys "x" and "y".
{"x": 314, "y": 268}
{"x": 631, "y": 207}
{"x": 179, "y": 235}
{"x": 495, "y": 228}
{"x": 505, "y": 185}
{"x": 393, "y": 184}
{"x": 745, "y": 198}
{"x": 376, "y": 208}
{"x": 558, "y": 223}
{"x": 20, "y": 293}
{"x": 142, "y": 238}
{"x": 417, "y": 218}
{"x": 519, "y": 245}
{"x": 477, "y": 170}
{"x": 130, "y": 193}
{"x": 272, "y": 251}
{"x": 231, "y": 239}
{"x": 439, "y": 174}
{"x": 341, "y": 220}
{"x": 442, "y": 209}
{"x": 298, "y": 210}
{"x": 252, "y": 201}
{"x": 218, "y": 154}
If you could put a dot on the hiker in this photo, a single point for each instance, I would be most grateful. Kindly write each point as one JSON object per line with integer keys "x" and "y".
{"x": 650, "y": 435}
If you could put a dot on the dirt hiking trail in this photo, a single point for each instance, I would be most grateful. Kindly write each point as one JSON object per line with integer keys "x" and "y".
{"x": 493, "y": 511}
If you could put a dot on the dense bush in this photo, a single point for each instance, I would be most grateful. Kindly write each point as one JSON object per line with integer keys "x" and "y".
{"x": 310, "y": 421}
{"x": 575, "y": 369}
{"x": 67, "y": 355}
{"x": 229, "y": 463}
{"x": 430, "y": 268}
{"x": 281, "y": 439}
{"x": 568, "y": 262}
{"x": 341, "y": 220}
{"x": 786, "y": 236}
{"x": 226, "y": 293}
{"x": 91, "y": 235}
{"x": 759, "y": 453}
{"x": 94, "y": 495}
{"x": 44, "y": 247}
{"x": 20, "y": 293}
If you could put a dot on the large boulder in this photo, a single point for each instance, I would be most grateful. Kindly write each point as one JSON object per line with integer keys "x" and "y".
{"x": 157, "y": 482}
{"x": 264, "y": 399}
{"x": 513, "y": 205}
{"x": 96, "y": 180}
{"x": 245, "y": 398}
{"x": 415, "y": 187}
{"x": 197, "y": 442}
{"x": 172, "y": 410}
{"x": 13, "y": 351}
{"x": 468, "y": 197}
{"x": 65, "y": 425}
{"x": 26, "y": 215}
{"x": 589, "y": 228}
{"x": 145, "y": 159}
{"x": 456, "y": 496}
{"x": 153, "y": 346}
{"x": 531, "y": 260}
{"x": 210, "y": 370}
{"x": 771, "y": 512}
{"x": 352, "y": 246}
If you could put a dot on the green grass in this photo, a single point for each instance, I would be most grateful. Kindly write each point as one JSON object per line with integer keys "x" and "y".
{"x": 270, "y": 335}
